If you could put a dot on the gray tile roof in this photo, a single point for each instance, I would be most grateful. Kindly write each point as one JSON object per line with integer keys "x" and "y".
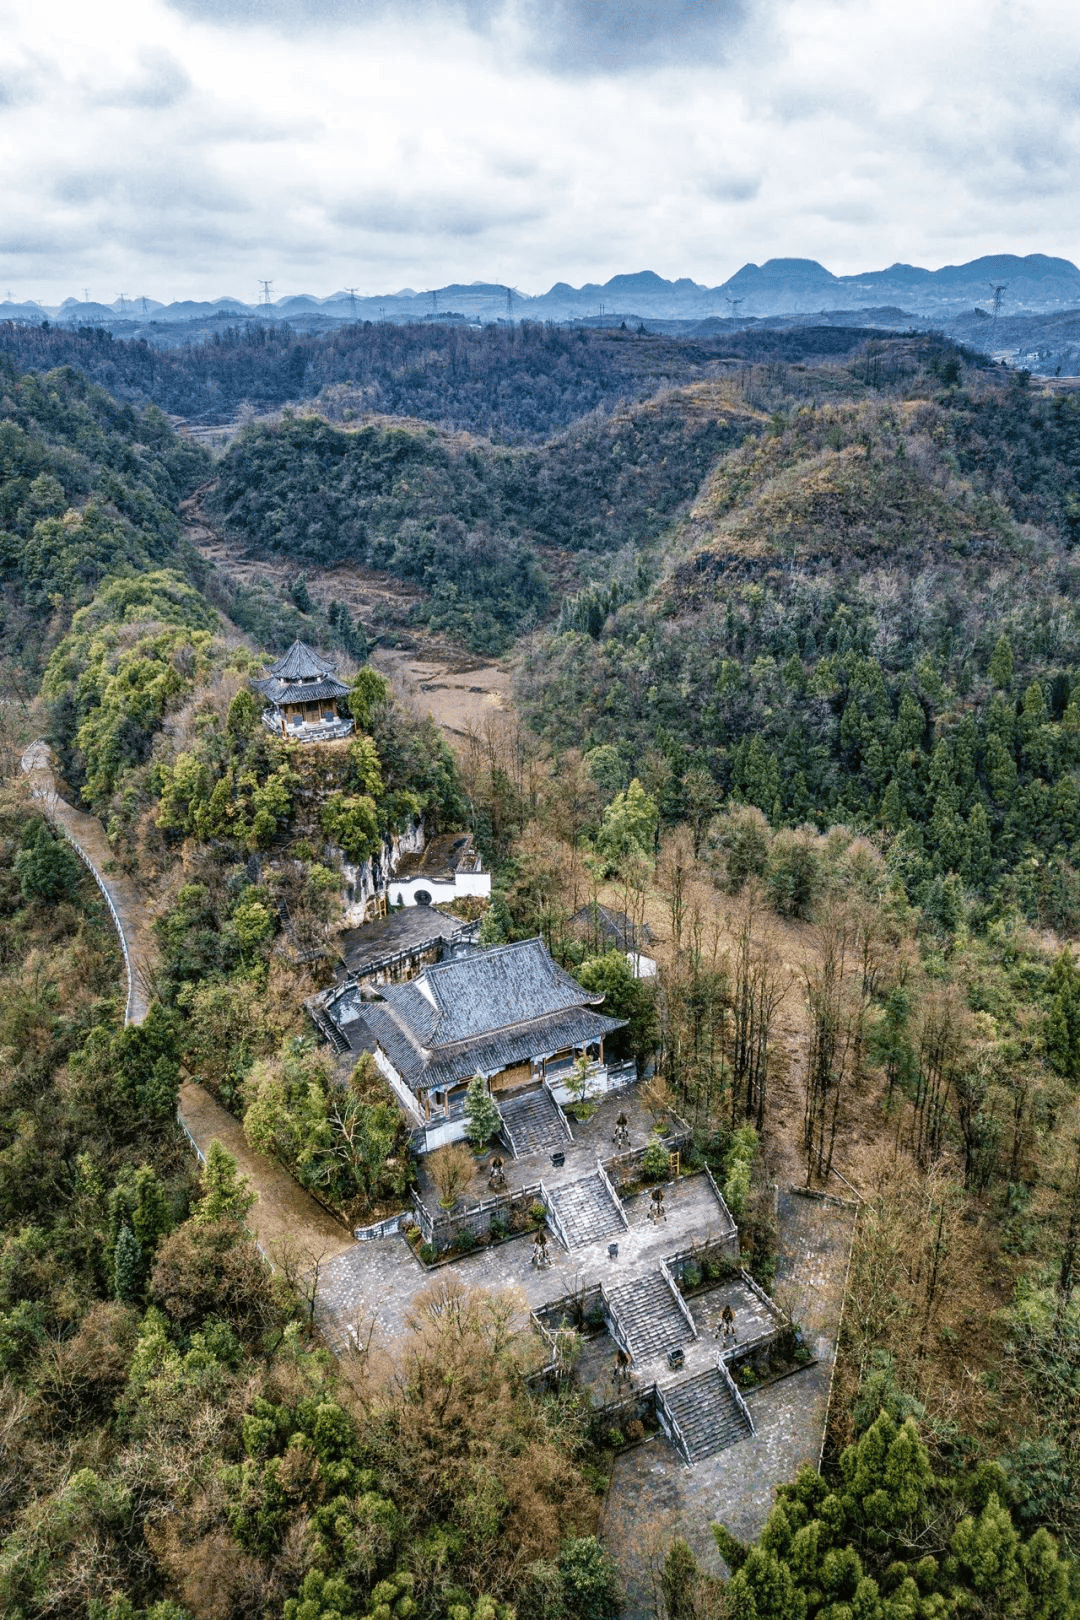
{"x": 425, "y": 1070}
{"x": 280, "y": 692}
{"x": 473, "y": 996}
{"x": 300, "y": 664}
{"x": 610, "y": 927}
{"x": 484, "y": 1011}
{"x": 441, "y": 857}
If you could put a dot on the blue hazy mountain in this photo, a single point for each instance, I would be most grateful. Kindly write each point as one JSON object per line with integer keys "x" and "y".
{"x": 1031, "y": 285}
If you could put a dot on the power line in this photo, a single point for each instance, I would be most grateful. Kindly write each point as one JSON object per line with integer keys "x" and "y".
{"x": 997, "y": 288}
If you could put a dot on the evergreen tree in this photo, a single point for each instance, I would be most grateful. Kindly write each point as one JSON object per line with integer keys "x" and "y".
{"x": 47, "y": 869}
{"x": 225, "y": 1194}
{"x": 483, "y": 1120}
{"x": 1062, "y": 1034}
{"x": 127, "y": 1266}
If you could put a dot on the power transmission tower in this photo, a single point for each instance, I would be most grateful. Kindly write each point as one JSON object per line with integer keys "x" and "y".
{"x": 352, "y": 292}
{"x": 434, "y": 302}
{"x": 121, "y": 300}
{"x": 997, "y": 288}
{"x": 510, "y": 303}
{"x": 734, "y": 303}
{"x": 142, "y": 305}
{"x": 265, "y": 301}
{"x": 86, "y": 295}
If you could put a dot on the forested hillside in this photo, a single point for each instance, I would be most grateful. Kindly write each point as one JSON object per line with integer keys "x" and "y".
{"x": 513, "y": 384}
{"x": 869, "y": 614}
{"x": 474, "y": 525}
{"x": 812, "y": 710}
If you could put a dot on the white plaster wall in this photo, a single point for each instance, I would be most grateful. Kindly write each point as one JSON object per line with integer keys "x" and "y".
{"x": 397, "y": 1086}
{"x": 644, "y": 967}
{"x": 465, "y": 883}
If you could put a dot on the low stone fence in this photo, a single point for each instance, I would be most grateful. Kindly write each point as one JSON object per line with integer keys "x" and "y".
{"x": 720, "y": 1254}
{"x": 388, "y": 1228}
{"x": 582, "y": 1310}
{"x": 441, "y": 1230}
{"x": 623, "y": 1167}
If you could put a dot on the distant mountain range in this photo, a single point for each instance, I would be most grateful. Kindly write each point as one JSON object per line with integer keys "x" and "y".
{"x": 1032, "y": 286}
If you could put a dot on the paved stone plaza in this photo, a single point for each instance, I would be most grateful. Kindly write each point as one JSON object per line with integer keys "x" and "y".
{"x": 655, "y": 1496}
{"x": 377, "y": 1281}
{"x": 366, "y": 1294}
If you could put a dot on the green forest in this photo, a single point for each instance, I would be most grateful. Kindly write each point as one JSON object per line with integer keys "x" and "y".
{"x": 798, "y": 684}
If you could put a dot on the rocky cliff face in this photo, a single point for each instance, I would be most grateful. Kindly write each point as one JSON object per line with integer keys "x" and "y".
{"x": 367, "y": 882}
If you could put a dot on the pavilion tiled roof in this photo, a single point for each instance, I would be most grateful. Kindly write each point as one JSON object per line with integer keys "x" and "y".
{"x": 300, "y": 664}
{"x": 282, "y": 692}
{"x": 301, "y": 676}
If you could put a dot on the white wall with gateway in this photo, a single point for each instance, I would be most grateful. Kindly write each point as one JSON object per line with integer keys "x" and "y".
{"x": 427, "y": 891}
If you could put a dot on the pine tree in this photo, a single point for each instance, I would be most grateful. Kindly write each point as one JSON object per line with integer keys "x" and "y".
{"x": 127, "y": 1266}
{"x": 225, "y": 1194}
{"x": 1001, "y": 665}
{"x": 483, "y": 1120}
{"x": 1062, "y": 1035}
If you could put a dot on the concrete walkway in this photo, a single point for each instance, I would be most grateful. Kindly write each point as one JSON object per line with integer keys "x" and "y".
{"x": 126, "y": 904}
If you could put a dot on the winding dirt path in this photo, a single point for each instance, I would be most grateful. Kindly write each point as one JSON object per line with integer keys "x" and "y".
{"x": 127, "y": 905}
{"x": 293, "y": 1231}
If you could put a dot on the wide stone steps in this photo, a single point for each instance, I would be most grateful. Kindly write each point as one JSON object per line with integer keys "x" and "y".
{"x": 534, "y": 1122}
{"x": 648, "y": 1316}
{"x": 584, "y": 1211}
{"x": 707, "y": 1414}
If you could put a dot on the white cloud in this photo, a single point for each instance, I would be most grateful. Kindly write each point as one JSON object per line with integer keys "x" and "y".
{"x": 187, "y": 149}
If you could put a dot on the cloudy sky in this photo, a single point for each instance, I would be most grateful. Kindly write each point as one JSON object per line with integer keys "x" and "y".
{"x": 187, "y": 148}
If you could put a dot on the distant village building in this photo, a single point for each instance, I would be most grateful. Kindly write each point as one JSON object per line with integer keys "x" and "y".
{"x": 508, "y": 1013}
{"x": 448, "y": 868}
{"x": 304, "y": 698}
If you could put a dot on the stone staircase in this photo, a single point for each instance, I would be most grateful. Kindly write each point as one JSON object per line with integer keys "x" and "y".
{"x": 533, "y": 1122}
{"x": 648, "y": 1316}
{"x": 707, "y": 1414}
{"x": 584, "y": 1211}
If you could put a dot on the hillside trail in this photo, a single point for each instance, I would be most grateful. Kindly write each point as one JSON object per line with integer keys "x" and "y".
{"x": 292, "y": 1230}
{"x": 126, "y": 904}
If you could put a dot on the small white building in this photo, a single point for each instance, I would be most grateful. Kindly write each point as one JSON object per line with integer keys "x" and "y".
{"x": 447, "y": 869}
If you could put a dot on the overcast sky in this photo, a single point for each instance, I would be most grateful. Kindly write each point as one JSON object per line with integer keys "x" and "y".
{"x": 187, "y": 148}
